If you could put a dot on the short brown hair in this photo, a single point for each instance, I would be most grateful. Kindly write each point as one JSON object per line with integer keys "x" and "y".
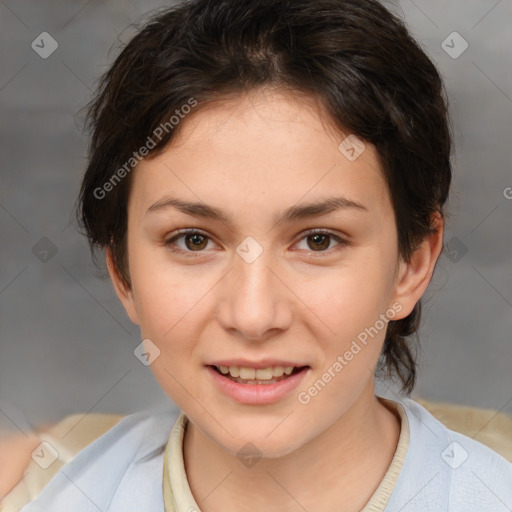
{"x": 355, "y": 56}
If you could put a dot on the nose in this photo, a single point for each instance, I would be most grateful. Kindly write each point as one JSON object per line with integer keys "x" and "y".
{"x": 256, "y": 304}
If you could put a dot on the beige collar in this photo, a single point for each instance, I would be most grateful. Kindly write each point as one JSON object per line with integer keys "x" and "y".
{"x": 178, "y": 496}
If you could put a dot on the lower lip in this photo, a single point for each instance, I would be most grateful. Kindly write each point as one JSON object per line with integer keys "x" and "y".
{"x": 257, "y": 393}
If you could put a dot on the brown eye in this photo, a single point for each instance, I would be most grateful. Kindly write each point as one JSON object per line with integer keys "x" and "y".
{"x": 194, "y": 242}
{"x": 319, "y": 241}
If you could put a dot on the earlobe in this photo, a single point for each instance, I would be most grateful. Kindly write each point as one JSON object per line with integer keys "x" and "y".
{"x": 414, "y": 276}
{"x": 123, "y": 290}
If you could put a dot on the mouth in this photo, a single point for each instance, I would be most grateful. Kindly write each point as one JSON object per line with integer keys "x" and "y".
{"x": 258, "y": 376}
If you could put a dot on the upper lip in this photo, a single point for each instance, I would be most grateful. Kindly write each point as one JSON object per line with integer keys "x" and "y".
{"x": 263, "y": 363}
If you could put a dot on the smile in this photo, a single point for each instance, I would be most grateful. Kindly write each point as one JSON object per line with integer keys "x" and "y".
{"x": 247, "y": 386}
{"x": 246, "y": 375}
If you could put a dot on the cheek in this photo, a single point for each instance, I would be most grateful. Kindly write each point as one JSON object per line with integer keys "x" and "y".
{"x": 348, "y": 328}
{"x": 171, "y": 307}
{"x": 348, "y": 300}
{"x": 168, "y": 299}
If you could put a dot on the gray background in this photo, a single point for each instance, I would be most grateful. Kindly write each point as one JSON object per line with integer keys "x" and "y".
{"x": 67, "y": 345}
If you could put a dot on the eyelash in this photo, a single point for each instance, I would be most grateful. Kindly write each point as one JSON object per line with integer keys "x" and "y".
{"x": 181, "y": 233}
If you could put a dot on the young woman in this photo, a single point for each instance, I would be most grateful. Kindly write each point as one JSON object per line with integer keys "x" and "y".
{"x": 268, "y": 180}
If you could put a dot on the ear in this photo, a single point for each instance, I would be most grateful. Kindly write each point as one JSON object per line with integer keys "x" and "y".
{"x": 413, "y": 277}
{"x": 122, "y": 288}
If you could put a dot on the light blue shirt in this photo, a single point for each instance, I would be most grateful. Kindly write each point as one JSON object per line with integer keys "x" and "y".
{"x": 122, "y": 470}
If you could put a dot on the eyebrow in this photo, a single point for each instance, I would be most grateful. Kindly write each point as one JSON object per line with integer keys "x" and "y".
{"x": 294, "y": 213}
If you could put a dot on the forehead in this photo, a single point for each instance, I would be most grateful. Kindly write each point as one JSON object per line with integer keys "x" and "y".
{"x": 260, "y": 148}
{"x": 261, "y": 112}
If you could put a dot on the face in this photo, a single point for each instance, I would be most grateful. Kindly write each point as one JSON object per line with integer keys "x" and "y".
{"x": 248, "y": 282}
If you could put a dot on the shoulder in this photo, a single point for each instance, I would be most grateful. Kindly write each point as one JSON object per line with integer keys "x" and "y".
{"x": 488, "y": 426}
{"x": 100, "y": 470}
{"x": 447, "y": 468}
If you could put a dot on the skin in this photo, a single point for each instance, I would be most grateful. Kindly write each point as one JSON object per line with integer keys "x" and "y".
{"x": 15, "y": 452}
{"x": 254, "y": 155}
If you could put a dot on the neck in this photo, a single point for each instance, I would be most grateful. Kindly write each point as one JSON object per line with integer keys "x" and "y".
{"x": 340, "y": 468}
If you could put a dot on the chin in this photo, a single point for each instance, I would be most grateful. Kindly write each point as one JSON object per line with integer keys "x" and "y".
{"x": 259, "y": 443}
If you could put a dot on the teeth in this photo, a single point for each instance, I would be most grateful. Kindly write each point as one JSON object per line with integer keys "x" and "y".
{"x": 259, "y": 374}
